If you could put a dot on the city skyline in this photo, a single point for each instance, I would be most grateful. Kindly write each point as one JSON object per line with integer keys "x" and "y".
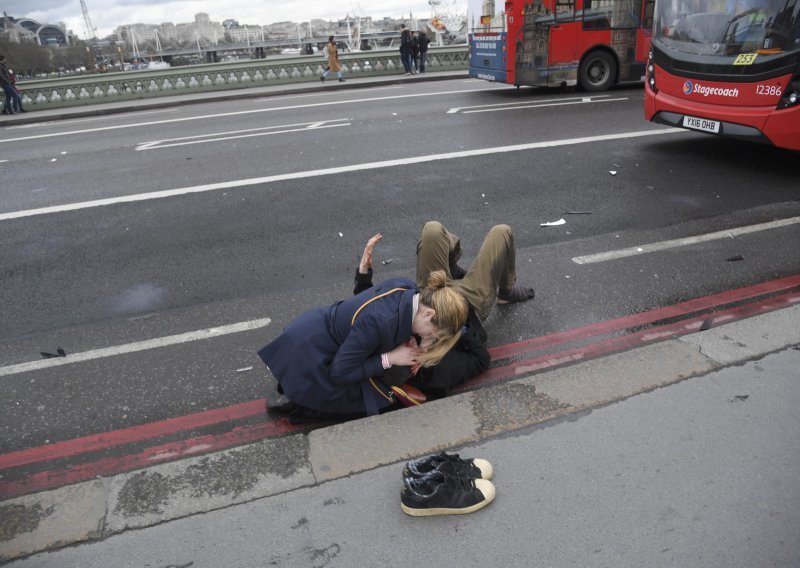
{"x": 107, "y": 15}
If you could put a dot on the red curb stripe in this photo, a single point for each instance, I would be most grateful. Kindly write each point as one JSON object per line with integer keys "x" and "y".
{"x": 151, "y": 456}
{"x": 177, "y": 450}
{"x": 114, "y": 438}
{"x": 677, "y": 310}
{"x": 626, "y": 342}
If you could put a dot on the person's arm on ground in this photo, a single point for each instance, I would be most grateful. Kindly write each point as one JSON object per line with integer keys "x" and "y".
{"x": 364, "y": 271}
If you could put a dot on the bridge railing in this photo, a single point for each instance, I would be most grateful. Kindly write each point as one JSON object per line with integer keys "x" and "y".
{"x": 238, "y": 74}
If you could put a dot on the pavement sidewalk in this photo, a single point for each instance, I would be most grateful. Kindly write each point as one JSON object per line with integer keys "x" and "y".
{"x": 274, "y": 473}
{"x": 99, "y": 109}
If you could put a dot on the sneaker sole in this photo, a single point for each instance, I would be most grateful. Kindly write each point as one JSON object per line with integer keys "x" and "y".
{"x": 488, "y": 493}
{"x": 433, "y": 512}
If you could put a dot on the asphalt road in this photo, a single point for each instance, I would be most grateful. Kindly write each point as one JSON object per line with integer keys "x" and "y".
{"x": 701, "y": 474}
{"x": 261, "y": 242}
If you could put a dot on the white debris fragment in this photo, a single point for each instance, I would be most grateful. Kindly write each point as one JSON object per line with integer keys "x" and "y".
{"x": 63, "y": 153}
{"x": 54, "y": 160}
{"x": 612, "y": 172}
{"x": 554, "y": 223}
{"x": 340, "y": 234}
{"x": 243, "y": 369}
{"x": 639, "y": 249}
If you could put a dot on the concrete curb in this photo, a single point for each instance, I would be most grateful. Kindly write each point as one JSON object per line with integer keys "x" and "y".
{"x": 102, "y": 109}
{"x": 103, "y": 507}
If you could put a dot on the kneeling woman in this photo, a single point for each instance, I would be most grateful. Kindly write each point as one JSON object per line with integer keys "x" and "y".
{"x": 325, "y": 359}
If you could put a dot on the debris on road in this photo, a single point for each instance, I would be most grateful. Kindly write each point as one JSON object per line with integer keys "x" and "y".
{"x": 554, "y": 223}
{"x": 243, "y": 369}
{"x": 736, "y": 258}
{"x": 59, "y": 353}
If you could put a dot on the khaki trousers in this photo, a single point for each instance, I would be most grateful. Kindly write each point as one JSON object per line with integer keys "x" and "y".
{"x": 493, "y": 268}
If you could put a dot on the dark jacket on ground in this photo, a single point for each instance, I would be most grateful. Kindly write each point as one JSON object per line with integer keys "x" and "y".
{"x": 323, "y": 361}
{"x": 469, "y": 358}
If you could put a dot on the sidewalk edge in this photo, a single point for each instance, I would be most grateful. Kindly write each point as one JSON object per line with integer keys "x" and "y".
{"x": 103, "y": 507}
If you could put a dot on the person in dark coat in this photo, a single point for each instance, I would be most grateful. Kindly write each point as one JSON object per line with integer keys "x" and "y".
{"x": 414, "y": 53}
{"x": 468, "y": 358}
{"x": 326, "y": 360}
{"x": 405, "y": 48}
{"x": 423, "y": 50}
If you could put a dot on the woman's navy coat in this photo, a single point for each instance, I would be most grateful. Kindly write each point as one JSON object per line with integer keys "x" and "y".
{"x": 323, "y": 362}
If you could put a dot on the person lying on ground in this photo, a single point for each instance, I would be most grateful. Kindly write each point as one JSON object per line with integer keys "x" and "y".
{"x": 327, "y": 359}
{"x": 493, "y": 268}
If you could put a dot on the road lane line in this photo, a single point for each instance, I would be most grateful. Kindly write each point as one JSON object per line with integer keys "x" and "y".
{"x": 135, "y": 347}
{"x": 221, "y": 136}
{"x": 544, "y": 105}
{"x": 674, "y": 243}
{"x": 332, "y": 171}
{"x": 526, "y": 102}
{"x": 233, "y": 113}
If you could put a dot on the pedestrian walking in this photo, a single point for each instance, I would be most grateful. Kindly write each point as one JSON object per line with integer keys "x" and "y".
{"x": 333, "y": 61}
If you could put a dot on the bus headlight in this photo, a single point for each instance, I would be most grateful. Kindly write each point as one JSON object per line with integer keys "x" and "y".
{"x": 791, "y": 97}
{"x": 651, "y": 72}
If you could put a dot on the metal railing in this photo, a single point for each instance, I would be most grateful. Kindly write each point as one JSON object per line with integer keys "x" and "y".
{"x": 130, "y": 85}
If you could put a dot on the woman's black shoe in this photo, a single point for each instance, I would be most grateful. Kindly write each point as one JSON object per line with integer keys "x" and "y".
{"x": 281, "y": 406}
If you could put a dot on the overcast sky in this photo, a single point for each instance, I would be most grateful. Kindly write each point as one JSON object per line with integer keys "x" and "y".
{"x": 108, "y": 14}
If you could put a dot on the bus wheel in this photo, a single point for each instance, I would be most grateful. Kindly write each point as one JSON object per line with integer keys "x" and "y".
{"x": 597, "y": 71}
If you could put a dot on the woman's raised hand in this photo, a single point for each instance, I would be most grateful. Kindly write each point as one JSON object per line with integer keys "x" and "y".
{"x": 366, "y": 258}
{"x": 405, "y": 354}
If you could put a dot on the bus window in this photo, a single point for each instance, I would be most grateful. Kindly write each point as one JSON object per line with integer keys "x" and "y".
{"x": 596, "y": 14}
{"x": 616, "y": 14}
{"x": 565, "y": 11}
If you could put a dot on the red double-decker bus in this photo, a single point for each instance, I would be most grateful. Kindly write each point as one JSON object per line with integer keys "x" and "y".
{"x": 727, "y": 67}
{"x": 551, "y": 43}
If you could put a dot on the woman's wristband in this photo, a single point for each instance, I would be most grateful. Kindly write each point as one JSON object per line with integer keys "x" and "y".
{"x": 385, "y": 361}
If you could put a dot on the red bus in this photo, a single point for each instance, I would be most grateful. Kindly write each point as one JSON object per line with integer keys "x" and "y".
{"x": 727, "y": 67}
{"x": 551, "y": 43}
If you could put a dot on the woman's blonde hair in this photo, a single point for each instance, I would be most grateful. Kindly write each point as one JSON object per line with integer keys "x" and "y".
{"x": 450, "y": 309}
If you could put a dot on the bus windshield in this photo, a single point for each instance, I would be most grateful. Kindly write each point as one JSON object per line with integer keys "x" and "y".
{"x": 728, "y": 27}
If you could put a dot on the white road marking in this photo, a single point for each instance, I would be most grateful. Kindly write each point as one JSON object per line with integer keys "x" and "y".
{"x": 332, "y": 171}
{"x": 234, "y": 134}
{"x": 135, "y": 347}
{"x": 233, "y": 113}
{"x": 545, "y": 105}
{"x": 506, "y": 105}
{"x": 673, "y": 243}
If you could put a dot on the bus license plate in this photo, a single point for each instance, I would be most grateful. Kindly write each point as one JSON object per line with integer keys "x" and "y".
{"x": 701, "y": 124}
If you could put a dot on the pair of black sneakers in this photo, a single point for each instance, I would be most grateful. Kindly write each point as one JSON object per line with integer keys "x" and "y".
{"x": 444, "y": 484}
